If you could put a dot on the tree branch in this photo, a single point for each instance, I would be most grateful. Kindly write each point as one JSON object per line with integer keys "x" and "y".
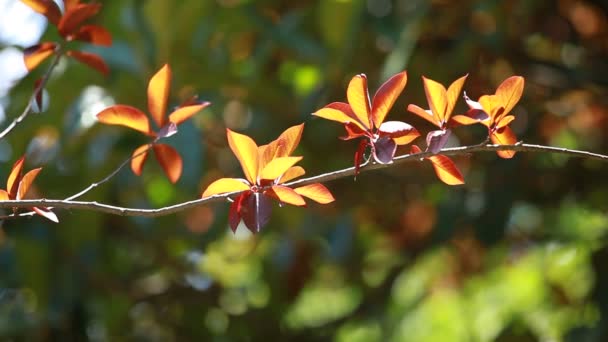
{"x": 37, "y": 90}
{"x": 325, "y": 177}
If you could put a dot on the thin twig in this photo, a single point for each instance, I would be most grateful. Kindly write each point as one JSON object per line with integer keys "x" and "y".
{"x": 37, "y": 90}
{"x": 325, "y": 177}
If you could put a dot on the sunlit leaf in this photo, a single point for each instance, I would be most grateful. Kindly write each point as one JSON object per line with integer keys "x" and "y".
{"x": 466, "y": 119}
{"x": 290, "y": 139}
{"x": 316, "y": 192}
{"x": 76, "y": 16}
{"x": 90, "y": 59}
{"x": 12, "y": 183}
{"x": 278, "y": 167}
{"x": 48, "y": 8}
{"x": 509, "y": 92}
{"x": 453, "y": 94}
{"x": 337, "y": 115}
{"x": 359, "y": 154}
{"x": 25, "y": 183}
{"x": 4, "y": 195}
{"x": 436, "y": 140}
{"x": 138, "y": 159}
{"x": 425, "y": 114}
{"x": 158, "y": 94}
{"x": 384, "y": 150}
{"x": 246, "y": 151}
{"x": 170, "y": 161}
{"x": 358, "y": 98}
{"x": 184, "y": 113}
{"x": 436, "y": 97}
{"x": 255, "y": 211}
{"x": 125, "y": 116}
{"x": 36, "y": 54}
{"x": 385, "y": 97}
{"x": 353, "y": 131}
{"x": 401, "y": 132}
{"x": 504, "y": 136}
{"x": 506, "y": 120}
{"x": 292, "y": 173}
{"x": 93, "y": 34}
{"x": 446, "y": 170}
{"x": 46, "y": 213}
{"x": 286, "y": 195}
{"x": 224, "y": 185}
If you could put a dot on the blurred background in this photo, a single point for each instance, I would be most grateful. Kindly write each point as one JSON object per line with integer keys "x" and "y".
{"x": 519, "y": 253}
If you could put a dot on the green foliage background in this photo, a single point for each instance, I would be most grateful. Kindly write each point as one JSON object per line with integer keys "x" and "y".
{"x": 517, "y": 254}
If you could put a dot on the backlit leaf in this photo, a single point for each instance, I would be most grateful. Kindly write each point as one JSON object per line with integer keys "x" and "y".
{"x": 504, "y": 136}
{"x": 359, "y": 154}
{"x": 12, "y": 183}
{"x": 453, "y": 94}
{"x": 436, "y": 97}
{"x": 125, "y": 116}
{"x": 446, "y": 170}
{"x": 36, "y": 54}
{"x": 466, "y": 119}
{"x": 255, "y": 211}
{"x": 385, "y": 97}
{"x": 184, "y": 113}
{"x": 358, "y": 98}
{"x": 384, "y": 150}
{"x": 158, "y": 94}
{"x": 352, "y": 131}
{"x": 278, "y": 167}
{"x": 170, "y": 161}
{"x": 224, "y": 185}
{"x": 234, "y": 215}
{"x": 90, "y": 59}
{"x": 401, "y": 132}
{"x": 48, "y": 8}
{"x": 138, "y": 159}
{"x": 509, "y": 92}
{"x": 286, "y": 195}
{"x": 246, "y": 151}
{"x": 337, "y": 115}
{"x": 76, "y": 16}
{"x": 25, "y": 183}
{"x": 292, "y": 173}
{"x": 4, "y": 195}
{"x": 506, "y": 120}
{"x": 425, "y": 114}
{"x": 316, "y": 192}
{"x": 46, "y": 213}
{"x": 93, "y": 34}
{"x": 290, "y": 139}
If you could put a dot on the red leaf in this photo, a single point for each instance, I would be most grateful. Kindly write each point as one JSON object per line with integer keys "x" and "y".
{"x": 125, "y": 116}
{"x": 436, "y": 140}
{"x": 316, "y": 192}
{"x": 446, "y": 170}
{"x": 359, "y": 155}
{"x": 400, "y": 132}
{"x": 234, "y": 215}
{"x": 184, "y": 113}
{"x": 158, "y": 94}
{"x": 384, "y": 149}
{"x": 286, "y": 195}
{"x": 352, "y": 131}
{"x": 504, "y": 136}
{"x": 26, "y": 182}
{"x": 139, "y": 157}
{"x": 255, "y": 211}
{"x": 75, "y": 16}
{"x": 46, "y": 213}
{"x": 425, "y": 114}
{"x": 93, "y": 34}
{"x": 385, "y": 97}
{"x": 90, "y": 59}
{"x": 12, "y": 183}
{"x": 48, "y": 8}
{"x": 170, "y": 160}
{"x": 36, "y": 54}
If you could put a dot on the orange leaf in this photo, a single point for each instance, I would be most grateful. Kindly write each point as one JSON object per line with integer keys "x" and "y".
{"x": 286, "y": 195}
{"x": 246, "y": 151}
{"x": 48, "y": 8}
{"x": 289, "y": 140}
{"x": 69, "y": 4}
{"x": 224, "y": 185}
{"x": 75, "y": 16}
{"x": 182, "y": 114}
{"x": 509, "y": 92}
{"x": 125, "y": 116}
{"x": 385, "y": 97}
{"x": 504, "y": 136}
{"x": 316, "y": 192}
{"x": 446, "y": 170}
{"x": 506, "y": 120}
{"x": 4, "y": 195}
{"x": 292, "y": 173}
{"x": 170, "y": 160}
{"x": 93, "y": 34}
{"x": 453, "y": 94}
{"x": 425, "y": 114}
{"x": 465, "y": 120}
{"x": 436, "y": 97}
{"x": 12, "y": 184}
{"x": 36, "y": 54}
{"x": 46, "y": 213}
{"x": 26, "y": 182}
{"x": 358, "y": 98}
{"x": 401, "y": 132}
{"x": 337, "y": 115}
{"x": 278, "y": 167}
{"x": 138, "y": 159}
{"x": 158, "y": 94}
{"x": 90, "y": 59}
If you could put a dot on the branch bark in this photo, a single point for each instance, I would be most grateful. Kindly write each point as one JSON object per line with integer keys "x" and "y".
{"x": 325, "y": 177}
